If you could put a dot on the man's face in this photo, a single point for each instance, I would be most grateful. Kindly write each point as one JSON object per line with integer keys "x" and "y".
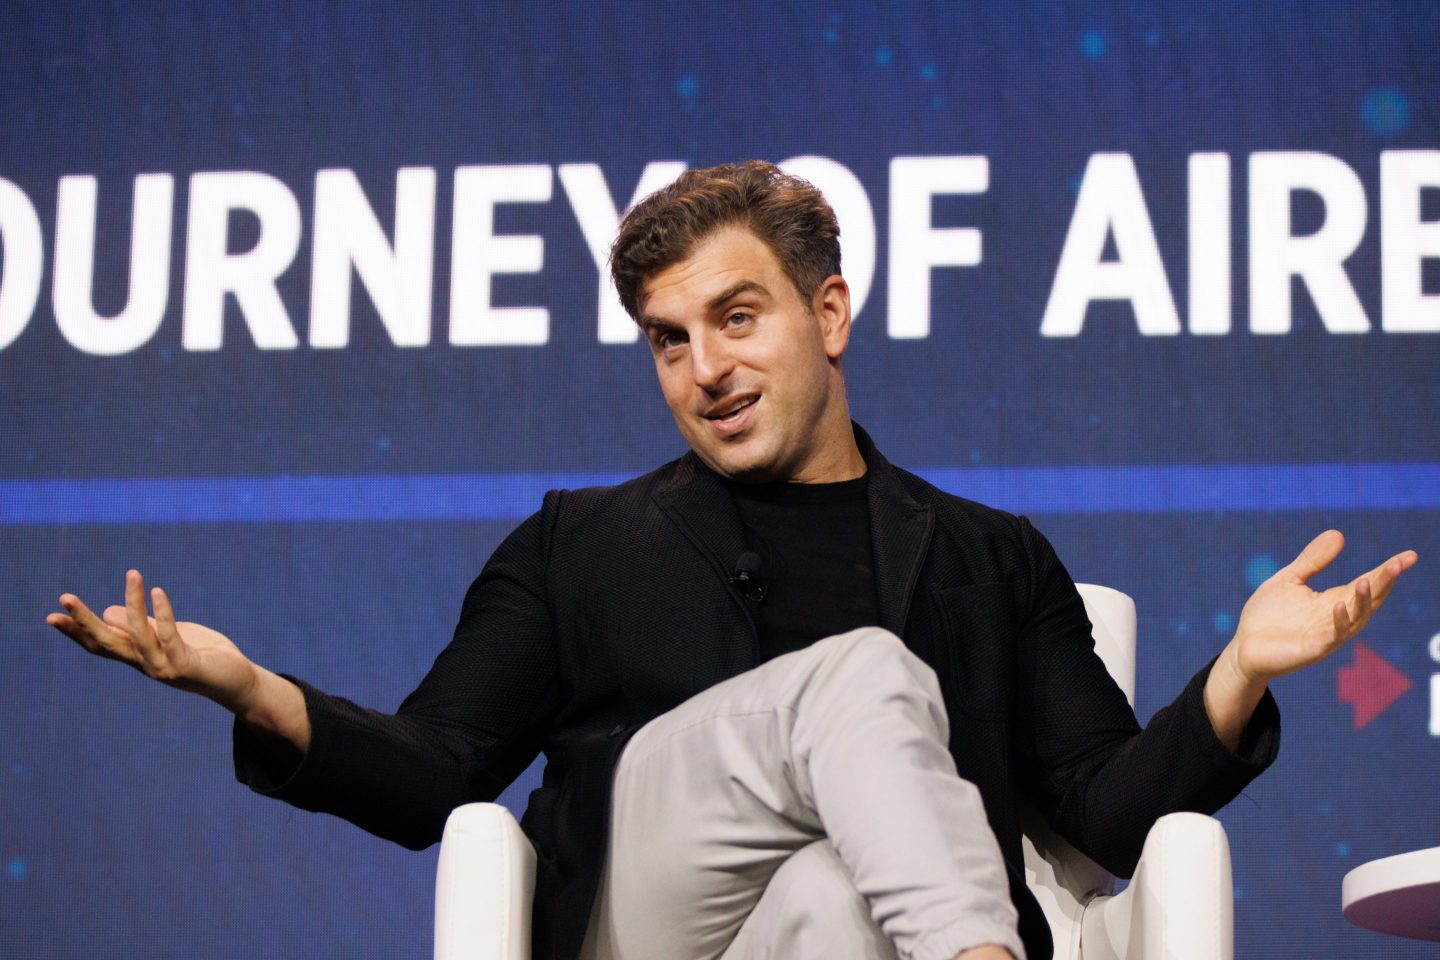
{"x": 750, "y": 374}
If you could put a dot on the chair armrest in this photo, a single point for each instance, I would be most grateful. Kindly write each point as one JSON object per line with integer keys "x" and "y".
{"x": 484, "y": 885}
{"x": 1180, "y": 904}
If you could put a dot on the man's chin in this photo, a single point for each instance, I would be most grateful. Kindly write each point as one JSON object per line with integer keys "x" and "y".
{"x": 753, "y": 475}
{"x": 734, "y": 462}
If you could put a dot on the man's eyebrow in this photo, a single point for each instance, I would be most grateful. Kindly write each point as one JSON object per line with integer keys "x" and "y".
{"x": 744, "y": 286}
{"x": 648, "y": 324}
{"x": 729, "y": 293}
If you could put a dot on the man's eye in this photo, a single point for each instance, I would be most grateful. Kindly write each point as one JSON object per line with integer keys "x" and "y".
{"x": 669, "y": 339}
{"x": 738, "y": 318}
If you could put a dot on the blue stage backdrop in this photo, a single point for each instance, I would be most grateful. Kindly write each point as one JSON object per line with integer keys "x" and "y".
{"x": 300, "y": 313}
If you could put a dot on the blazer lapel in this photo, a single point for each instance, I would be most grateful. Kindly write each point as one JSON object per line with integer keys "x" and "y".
{"x": 697, "y": 501}
{"x": 900, "y": 530}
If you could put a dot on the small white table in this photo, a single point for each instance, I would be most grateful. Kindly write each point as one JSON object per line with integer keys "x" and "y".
{"x": 1399, "y": 895}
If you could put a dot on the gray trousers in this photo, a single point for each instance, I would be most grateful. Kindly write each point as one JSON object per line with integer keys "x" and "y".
{"x": 807, "y": 808}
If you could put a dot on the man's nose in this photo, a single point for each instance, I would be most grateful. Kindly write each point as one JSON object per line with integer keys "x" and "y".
{"x": 710, "y": 362}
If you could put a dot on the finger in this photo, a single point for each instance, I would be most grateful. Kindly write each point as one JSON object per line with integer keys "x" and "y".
{"x": 86, "y": 619}
{"x": 164, "y": 621}
{"x": 1341, "y": 617}
{"x": 97, "y": 638}
{"x": 1317, "y": 555}
{"x": 119, "y": 618}
{"x": 135, "y": 613}
{"x": 68, "y": 626}
{"x": 1383, "y": 577}
{"x": 1367, "y": 593}
{"x": 82, "y": 637}
{"x": 136, "y": 618}
{"x": 116, "y": 617}
{"x": 1361, "y": 604}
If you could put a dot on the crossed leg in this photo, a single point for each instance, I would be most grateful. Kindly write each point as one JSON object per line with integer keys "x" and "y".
{"x": 810, "y": 909}
{"x": 834, "y": 757}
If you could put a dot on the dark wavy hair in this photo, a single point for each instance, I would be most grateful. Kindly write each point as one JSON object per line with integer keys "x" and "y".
{"x": 786, "y": 212}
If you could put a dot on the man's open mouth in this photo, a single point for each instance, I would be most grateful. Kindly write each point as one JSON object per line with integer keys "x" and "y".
{"x": 732, "y": 411}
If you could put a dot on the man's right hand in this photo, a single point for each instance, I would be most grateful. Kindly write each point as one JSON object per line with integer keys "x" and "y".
{"x": 187, "y": 656}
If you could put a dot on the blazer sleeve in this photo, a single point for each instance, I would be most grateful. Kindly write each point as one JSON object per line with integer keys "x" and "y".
{"x": 474, "y": 723}
{"x": 1100, "y": 780}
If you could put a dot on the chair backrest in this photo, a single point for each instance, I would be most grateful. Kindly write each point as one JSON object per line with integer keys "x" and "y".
{"x": 1112, "y": 621}
{"x": 1062, "y": 878}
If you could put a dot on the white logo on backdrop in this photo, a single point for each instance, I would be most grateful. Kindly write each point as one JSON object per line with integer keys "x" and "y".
{"x": 397, "y": 270}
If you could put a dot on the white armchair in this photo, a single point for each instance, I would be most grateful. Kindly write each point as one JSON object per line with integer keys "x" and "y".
{"x": 1178, "y": 906}
{"x": 1180, "y": 903}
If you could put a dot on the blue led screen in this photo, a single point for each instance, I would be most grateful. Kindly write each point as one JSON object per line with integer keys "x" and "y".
{"x": 300, "y": 314}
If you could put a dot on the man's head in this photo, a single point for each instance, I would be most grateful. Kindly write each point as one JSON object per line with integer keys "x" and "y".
{"x": 733, "y": 275}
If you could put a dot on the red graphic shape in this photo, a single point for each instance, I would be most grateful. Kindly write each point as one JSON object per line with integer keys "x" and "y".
{"x": 1370, "y": 684}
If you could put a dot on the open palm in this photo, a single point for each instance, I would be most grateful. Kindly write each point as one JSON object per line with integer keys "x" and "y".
{"x": 189, "y": 656}
{"x": 1285, "y": 625}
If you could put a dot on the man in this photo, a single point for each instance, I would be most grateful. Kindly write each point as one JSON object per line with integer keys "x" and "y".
{"x": 743, "y": 759}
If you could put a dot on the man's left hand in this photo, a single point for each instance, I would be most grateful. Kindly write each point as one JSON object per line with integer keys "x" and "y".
{"x": 1285, "y": 625}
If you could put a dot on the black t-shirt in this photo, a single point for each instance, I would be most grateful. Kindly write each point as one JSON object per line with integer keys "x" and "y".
{"x": 814, "y": 543}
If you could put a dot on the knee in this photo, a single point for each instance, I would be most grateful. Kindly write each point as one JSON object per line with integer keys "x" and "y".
{"x": 873, "y": 665}
{"x": 862, "y": 643}
{"x": 873, "y": 653}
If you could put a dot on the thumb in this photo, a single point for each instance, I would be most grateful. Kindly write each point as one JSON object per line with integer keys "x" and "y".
{"x": 114, "y": 616}
{"x": 1317, "y": 555}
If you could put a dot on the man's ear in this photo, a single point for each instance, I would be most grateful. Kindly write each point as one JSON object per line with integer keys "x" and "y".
{"x": 831, "y": 306}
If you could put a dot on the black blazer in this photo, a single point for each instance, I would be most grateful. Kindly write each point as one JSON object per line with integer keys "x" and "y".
{"x": 612, "y": 605}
